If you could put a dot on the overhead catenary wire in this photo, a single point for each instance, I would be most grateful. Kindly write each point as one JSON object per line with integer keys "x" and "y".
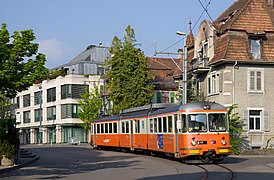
{"x": 204, "y": 10}
{"x": 171, "y": 45}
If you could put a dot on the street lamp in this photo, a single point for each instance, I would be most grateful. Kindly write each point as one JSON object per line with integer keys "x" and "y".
{"x": 102, "y": 71}
{"x": 40, "y": 110}
{"x": 184, "y": 70}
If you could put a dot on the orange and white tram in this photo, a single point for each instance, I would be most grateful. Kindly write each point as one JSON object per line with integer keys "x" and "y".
{"x": 195, "y": 131}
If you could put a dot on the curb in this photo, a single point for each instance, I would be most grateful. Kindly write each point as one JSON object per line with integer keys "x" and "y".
{"x": 9, "y": 168}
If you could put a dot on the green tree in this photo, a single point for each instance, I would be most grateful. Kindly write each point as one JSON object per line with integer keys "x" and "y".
{"x": 9, "y": 142}
{"x": 128, "y": 79}
{"x": 90, "y": 105}
{"x": 4, "y": 107}
{"x": 20, "y": 63}
{"x": 235, "y": 129}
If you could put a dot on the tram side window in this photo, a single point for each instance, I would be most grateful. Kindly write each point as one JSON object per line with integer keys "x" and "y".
{"x": 123, "y": 127}
{"x": 170, "y": 127}
{"x": 197, "y": 123}
{"x": 160, "y": 125}
{"x": 184, "y": 122}
{"x": 98, "y": 128}
{"x": 127, "y": 127}
{"x": 110, "y": 127}
{"x": 155, "y": 125}
{"x": 175, "y": 120}
{"x": 91, "y": 129}
{"x": 102, "y": 128}
{"x": 137, "y": 126}
{"x": 106, "y": 127}
{"x": 151, "y": 125}
{"x": 164, "y": 125}
{"x": 115, "y": 127}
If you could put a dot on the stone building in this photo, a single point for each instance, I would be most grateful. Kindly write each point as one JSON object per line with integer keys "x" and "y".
{"x": 233, "y": 63}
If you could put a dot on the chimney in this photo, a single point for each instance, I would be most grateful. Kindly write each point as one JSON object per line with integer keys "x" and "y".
{"x": 180, "y": 54}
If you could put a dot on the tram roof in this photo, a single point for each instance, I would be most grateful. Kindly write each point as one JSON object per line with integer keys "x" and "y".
{"x": 147, "y": 108}
{"x": 162, "y": 109}
{"x": 106, "y": 118}
{"x": 141, "y": 114}
{"x": 203, "y": 105}
{"x": 165, "y": 110}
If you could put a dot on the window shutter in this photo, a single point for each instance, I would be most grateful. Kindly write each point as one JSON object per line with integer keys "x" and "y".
{"x": 63, "y": 111}
{"x": 48, "y": 113}
{"x": 159, "y": 97}
{"x": 172, "y": 97}
{"x": 265, "y": 124}
{"x": 63, "y": 91}
{"x": 248, "y": 80}
{"x": 262, "y": 81}
{"x": 245, "y": 120}
{"x": 221, "y": 82}
{"x": 209, "y": 85}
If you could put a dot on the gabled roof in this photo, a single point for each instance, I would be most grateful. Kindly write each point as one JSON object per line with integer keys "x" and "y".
{"x": 163, "y": 69}
{"x": 162, "y": 63}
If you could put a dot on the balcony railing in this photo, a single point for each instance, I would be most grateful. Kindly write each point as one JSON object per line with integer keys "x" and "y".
{"x": 199, "y": 64}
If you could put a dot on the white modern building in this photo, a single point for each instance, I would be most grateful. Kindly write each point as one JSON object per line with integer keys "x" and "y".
{"x": 48, "y": 111}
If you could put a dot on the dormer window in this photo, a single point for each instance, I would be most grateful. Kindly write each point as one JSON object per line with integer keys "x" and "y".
{"x": 255, "y": 48}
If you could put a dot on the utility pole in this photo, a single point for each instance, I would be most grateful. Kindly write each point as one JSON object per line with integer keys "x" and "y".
{"x": 184, "y": 70}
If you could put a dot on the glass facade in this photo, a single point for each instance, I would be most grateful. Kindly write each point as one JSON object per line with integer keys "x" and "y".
{"x": 75, "y": 131}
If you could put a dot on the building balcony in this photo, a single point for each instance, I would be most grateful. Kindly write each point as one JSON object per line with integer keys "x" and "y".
{"x": 199, "y": 65}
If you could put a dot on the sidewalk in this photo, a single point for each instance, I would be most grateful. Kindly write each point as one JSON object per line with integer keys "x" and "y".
{"x": 26, "y": 158}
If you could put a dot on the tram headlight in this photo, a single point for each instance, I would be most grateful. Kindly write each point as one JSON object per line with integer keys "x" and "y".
{"x": 223, "y": 141}
{"x": 193, "y": 143}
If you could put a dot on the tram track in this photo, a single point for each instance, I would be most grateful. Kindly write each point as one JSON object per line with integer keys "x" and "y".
{"x": 209, "y": 169}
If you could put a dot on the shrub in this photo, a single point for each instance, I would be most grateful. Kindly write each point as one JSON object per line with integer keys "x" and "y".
{"x": 235, "y": 129}
{"x": 7, "y": 149}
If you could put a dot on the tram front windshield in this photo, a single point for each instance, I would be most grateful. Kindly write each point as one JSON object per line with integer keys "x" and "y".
{"x": 217, "y": 122}
{"x": 198, "y": 122}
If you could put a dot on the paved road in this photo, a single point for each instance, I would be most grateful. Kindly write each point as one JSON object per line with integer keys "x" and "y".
{"x": 81, "y": 162}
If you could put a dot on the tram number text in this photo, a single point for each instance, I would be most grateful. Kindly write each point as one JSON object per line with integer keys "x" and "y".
{"x": 201, "y": 142}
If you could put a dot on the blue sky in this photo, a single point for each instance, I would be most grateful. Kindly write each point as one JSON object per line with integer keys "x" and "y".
{"x": 64, "y": 28}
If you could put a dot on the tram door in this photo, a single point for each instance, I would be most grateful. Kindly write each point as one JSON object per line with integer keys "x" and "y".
{"x": 93, "y": 127}
{"x": 131, "y": 135}
{"x": 176, "y": 124}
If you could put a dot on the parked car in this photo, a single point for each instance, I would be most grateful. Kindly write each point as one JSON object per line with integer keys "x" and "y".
{"x": 73, "y": 141}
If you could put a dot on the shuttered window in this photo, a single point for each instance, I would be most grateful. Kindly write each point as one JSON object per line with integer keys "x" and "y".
{"x": 26, "y": 100}
{"x": 255, "y": 80}
{"x": 159, "y": 97}
{"x": 51, "y": 113}
{"x": 38, "y": 97}
{"x": 69, "y": 111}
{"x": 214, "y": 83}
{"x": 26, "y": 117}
{"x": 72, "y": 91}
{"x": 38, "y": 114}
{"x": 256, "y": 120}
{"x": 51, "y": 94}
